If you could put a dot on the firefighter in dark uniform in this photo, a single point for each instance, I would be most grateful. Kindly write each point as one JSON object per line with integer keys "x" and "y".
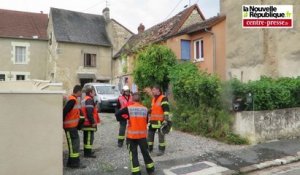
{"x": 123, "y": 101}
{"x": 91, "y": 119}
{"x": 159, "y": 116}
{"x": 71, "y": 117}
{"x": 136, "y": 114}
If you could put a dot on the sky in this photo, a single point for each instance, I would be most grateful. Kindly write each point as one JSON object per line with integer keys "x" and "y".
{"x": 129, "y": 13}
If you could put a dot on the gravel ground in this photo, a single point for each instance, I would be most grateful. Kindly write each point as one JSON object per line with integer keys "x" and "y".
{"x": 113, "y": 160}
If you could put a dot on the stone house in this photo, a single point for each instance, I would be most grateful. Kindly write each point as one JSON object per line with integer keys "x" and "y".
{"x": 81, "y": 46}
{"x": 23, "y": 45}
{"x": 251, "y": 53}
{"x": 188, "y": 34}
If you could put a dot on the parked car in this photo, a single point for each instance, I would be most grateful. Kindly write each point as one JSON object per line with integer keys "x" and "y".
{"x": 106, "y": 95}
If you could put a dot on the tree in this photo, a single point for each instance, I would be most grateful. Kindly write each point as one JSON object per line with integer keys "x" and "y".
{"x": 152, "y": 66}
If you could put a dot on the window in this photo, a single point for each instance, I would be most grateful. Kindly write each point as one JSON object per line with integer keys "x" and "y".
{"x": 20, "y": 52}
{"x": 198, "y": 50}
{"x": 20, "y": 77}
{"x": 89, "y": 60}
{"x": 185, "y": 50}
{"x": 2, "y": 77}
{"x": 20, "y": 55}
{"x": 106, "y": 89}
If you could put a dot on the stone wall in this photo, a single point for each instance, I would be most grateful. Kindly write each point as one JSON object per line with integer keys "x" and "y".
{"x": 70, "y": 62}
{"x": 262, "y": 126}
{"x": 251, "y": 53}
{"x": 192, "y": 19}
{"x": 120, "y": 36}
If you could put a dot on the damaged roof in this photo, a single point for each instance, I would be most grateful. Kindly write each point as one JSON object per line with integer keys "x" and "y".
{"x": 158, "y": 32}
{"x": 201, "y": 25}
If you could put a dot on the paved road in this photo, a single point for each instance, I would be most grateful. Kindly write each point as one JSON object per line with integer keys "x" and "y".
{"x": 181, "y": 149}
{"x": 185, "y": 154}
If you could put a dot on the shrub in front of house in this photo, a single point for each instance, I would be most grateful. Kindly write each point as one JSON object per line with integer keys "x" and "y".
{"x": 267, "y": 93}
{"x": 152, "y": 66}
{"x": 198, "y": 104}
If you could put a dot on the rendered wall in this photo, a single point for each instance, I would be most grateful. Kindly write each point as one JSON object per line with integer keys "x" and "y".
{"x": 262, "y": 126}
{"x": 31, "y": 129}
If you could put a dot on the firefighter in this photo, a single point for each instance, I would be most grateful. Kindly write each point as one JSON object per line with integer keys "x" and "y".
{"x": 91, "y": 119}
{"x": 136, "y": 114}
{"x": 159, "y": 116}
{"x": 71, "y": 117}
{"x": 123, "y": 101}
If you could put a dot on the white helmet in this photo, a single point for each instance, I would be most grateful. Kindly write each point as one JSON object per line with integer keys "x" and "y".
{"x": 125, "y": 88}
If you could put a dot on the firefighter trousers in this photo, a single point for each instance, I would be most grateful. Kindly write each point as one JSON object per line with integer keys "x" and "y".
{"x": 151, "y": 137}
{"x": 122, "y": 130}
{"x": 132, "y": 145}
{"x": 88, "y": 140}
{"x": 73, "y": 146}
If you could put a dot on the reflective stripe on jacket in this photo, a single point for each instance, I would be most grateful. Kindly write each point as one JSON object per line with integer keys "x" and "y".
{"x": 72, "y": 118}
{"x": 157, "y": 113}
{"x": 137, "y": 123}
{"x": 84, "y": 111}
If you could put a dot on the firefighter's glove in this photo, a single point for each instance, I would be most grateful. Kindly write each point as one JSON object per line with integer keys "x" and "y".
{"x": 165, "y": 127}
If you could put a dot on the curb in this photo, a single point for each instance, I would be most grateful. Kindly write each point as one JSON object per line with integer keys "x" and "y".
{"x": 266, "y": 164}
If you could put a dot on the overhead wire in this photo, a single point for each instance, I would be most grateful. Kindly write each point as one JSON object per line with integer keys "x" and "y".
{"x": 173, "y": 9}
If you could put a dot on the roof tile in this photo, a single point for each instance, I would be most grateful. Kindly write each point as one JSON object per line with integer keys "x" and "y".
{"x": 16, "y": 24}
{"x": 77, "y": 27}
{"x": 158, "y": 32}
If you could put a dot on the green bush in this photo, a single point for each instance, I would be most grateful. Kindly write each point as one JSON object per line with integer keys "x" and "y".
{"x": 268, "y": 93}
{"x": 199, "y": 108}
{"x": 146, "y": 100}
{"x": 152, "y": 66}
{"x": 236, "y": 139}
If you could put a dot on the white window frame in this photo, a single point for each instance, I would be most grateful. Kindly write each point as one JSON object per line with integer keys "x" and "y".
{"x": 12, "y": 75}
{"x": 200, "y": 51}
{"x": 25, "y": 74}
{"x": 13, "y": 52}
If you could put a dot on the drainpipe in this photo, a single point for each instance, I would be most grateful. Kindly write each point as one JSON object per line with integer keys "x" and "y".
{"x": 214, "y": 48}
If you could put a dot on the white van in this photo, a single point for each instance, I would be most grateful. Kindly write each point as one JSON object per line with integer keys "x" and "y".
{"x": 106, "y": 95}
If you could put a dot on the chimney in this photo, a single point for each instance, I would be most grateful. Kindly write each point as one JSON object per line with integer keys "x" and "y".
{"x": 141, "y": 28}
{"x": 41, "y": 12}
{"x": 105, "y": 13}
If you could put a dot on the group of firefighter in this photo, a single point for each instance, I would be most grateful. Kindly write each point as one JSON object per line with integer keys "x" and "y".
{"x": 138, "y": 125}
